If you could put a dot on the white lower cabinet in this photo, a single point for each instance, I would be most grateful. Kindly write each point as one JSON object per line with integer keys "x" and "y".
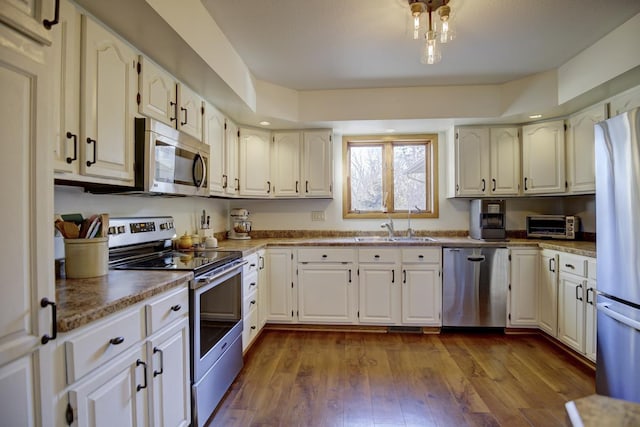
{"x": 590, "y": 312}
{"x": 327, "y": 288}
{"x": 250, "y": 300}
{"x": 380, "y": 288}
{"x": 281, "y": 294}
{"x": 422, "y": 286}
{"x": 523, "y": 288}
{"x": 263, "y": 277}
{"x": 17, "y": 392}
{"x": 548, "y": 292}
{"x": 130, "y": 368}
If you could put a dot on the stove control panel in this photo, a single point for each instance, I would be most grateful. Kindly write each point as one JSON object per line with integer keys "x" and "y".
{"x": 136, "y": 230}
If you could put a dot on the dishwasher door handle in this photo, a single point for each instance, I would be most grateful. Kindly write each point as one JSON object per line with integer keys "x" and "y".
{"x": 476, "y": 258}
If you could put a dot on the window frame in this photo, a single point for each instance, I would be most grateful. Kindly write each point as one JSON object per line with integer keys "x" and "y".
{"x": 387, "y": 142}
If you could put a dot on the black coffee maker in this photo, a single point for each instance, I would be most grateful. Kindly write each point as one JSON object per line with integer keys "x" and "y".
{"x": 487, "y": 220}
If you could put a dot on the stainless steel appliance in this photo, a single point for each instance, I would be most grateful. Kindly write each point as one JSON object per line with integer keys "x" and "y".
{"x": 475, "y": 282}
{"x": 617, "y": 152}
{"x": 215, "y": 300}
{"x": 167, "y": 161}
{"x": 240, "y": 224}
{"x": 487, "y": 219}
{"x": 553, "y": 226}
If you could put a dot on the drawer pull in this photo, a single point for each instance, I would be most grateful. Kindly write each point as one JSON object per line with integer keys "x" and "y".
{"x": 376, "y": 256}
{"x": 253, "y": 328}
{"x": 138, "y": 363}
{"x": 161, "y": 371}
{"x": 421, "y": 256}
{"x": 176, "y": 307}
{"x": 324, "y": 256}
{"x": 252, "y": 284}
{"x": 252, "y": 265}
{"x": 252, "y": 302}
{"x": 570, "y": 266}
{"x": 116, "y": 340}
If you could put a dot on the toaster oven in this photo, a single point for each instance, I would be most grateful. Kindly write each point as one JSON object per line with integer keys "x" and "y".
{"x": 553, "y": 226}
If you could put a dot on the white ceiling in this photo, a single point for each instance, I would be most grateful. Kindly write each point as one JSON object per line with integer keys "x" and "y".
{"x": 338, "y": 44}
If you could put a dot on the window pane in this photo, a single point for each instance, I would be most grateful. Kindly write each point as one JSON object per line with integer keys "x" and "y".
{"x": 409, "y": 177}
{"x": 366, "y": 178}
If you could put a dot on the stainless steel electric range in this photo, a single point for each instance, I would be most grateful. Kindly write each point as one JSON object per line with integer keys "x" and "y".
{"x": 215, "y": 301}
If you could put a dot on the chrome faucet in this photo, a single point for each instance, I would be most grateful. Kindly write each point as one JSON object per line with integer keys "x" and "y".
{"x": 409, "y": 229}
{"x": 389, "y": 226}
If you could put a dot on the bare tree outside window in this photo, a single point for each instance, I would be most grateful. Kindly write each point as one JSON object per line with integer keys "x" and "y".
{"x": 390, "y": 176}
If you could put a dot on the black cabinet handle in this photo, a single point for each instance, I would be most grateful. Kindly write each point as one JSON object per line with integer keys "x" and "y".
{"x": 224, "y": 181}
{"x": 252, "y": 284}
{"x": 44, "y": 302}
{"x": 75, "y": 147}
{"x": 306, "y": 186}
{"x": 421, "y": 256}
{"x": 376, "y": 256}
{"x": 525, "y": 184}
{"x": 116, "y": 340}
{"x": 589, "y": 300}
{"x": 175, "y": 111}
{"x": 297, "y": 182}
{"x": 237, "y": 188}
{"x": 185, "y": 116}
{"x": 570, "y": 266}
{"x": 349, "y": 275}
{"x": 56, "y": 17}
{"x": 324, "y": 256}
{"x": 161, "y": 371}
{"x": 484, "y": 185}
{"x": 393, "y": 276}
{"x": 253, "y": 328}
{"x": 176, "y": 307}
{"x": 138, "y": 363}
{"x": 404, "y": 276}
{"x": 261, "y": 263}
{"x": 95, "y": 151}
{"x": 552, "y": 269}
{"x": 579, "y": 297}
{"x": 252, "y": 302}
{"x": 268, "y": 187}
{"x": 494, "y": 184}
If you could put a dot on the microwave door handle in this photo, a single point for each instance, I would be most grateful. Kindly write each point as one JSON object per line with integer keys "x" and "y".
{"x": 198, "y": 181}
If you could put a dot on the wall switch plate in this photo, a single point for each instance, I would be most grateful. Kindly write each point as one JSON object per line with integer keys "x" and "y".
{"x": 317, "y": 215}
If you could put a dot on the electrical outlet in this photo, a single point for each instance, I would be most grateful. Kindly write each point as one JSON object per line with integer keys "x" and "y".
{"x": 317, "y": 215}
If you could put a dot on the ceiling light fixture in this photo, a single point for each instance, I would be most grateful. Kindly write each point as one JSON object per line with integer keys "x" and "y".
{"x": 433, "y": 29}
{"x": 265, "y": 123}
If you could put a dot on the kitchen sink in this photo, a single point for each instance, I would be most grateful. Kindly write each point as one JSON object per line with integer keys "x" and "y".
{"x": 393, "y": 239}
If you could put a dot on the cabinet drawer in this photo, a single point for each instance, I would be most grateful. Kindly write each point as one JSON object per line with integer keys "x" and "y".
{"x": 101, "y": 343}
{"x": 165, "y": 310}
{"x": 574, "y": 264}
{"x": 250, "y": 329}
{"x": 422, "y": 255}
{"x": 379, "y": 255}
{"x": 250, "y": 303}
{"x": 591, "y": 268}
{"x": 251, "y": 265}
{"x": 249, "y": 283}
{"x": 326, "y": 255}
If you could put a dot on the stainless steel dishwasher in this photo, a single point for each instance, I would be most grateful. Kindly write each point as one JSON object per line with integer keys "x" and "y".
{"x": 475, "y": 287}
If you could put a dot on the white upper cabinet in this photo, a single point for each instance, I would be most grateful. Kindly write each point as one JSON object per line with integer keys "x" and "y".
{"x": 213, "y": 134}
{"x": 543, "y": 152}
{"x": 505, "y": 161}
{"x": 66, "y": 87}
{"x": 254, "y": 146}
{"x": 189, "y": 112}
{"x": 317, "y": 163}
{"x": 472, "y": 161}
{"x": 156, "y": 92}
{"x": 33, "y": 18}
{"x": 285, "y": 158}
{"x": 108, "y": 104}
{"x": 231, "y": 176}
{"x": 624, "y": 101}
{"x": 581, "y": 175}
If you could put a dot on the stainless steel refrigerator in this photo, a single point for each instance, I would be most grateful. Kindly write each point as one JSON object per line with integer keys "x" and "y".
{"x": 617, "y": 152}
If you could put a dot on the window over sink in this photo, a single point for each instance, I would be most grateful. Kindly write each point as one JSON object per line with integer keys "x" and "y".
{"x": 389, "y": 175}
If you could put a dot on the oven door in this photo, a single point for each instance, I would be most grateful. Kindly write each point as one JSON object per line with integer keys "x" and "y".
{"x": 175, "y": 163}
{"x": 215, "y": 317}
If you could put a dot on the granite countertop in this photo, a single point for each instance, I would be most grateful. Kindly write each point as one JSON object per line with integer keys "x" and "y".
{"x": 596, "y": 410}
{"x": 80, "y": 301}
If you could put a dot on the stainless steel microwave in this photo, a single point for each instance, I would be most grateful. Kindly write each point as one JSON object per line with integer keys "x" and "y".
{"x": 553, "y": 226}
{"x": 169, "y": 161}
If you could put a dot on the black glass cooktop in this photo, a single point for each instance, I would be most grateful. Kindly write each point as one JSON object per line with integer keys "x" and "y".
{"x": 197, "y": 261}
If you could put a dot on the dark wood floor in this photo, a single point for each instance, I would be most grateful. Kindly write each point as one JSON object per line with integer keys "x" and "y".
{"x": 295, "y": 378}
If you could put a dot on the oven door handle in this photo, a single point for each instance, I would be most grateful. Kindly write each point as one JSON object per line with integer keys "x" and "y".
{"x": 206, "y": 280}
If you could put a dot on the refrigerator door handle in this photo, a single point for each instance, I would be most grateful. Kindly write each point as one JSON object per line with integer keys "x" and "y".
{"x": 604, "y": 307}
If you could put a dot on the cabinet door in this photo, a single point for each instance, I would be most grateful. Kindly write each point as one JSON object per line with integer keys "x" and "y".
{"x": 421, "y": 295}
{"x": 505, "y": 161}
{"x": 327, "y": 293}
{"x": 317, "y": 164}
{"x": 624, "y": 101}
{"x": 116, "y": 395}
{"x": 472, "y": 161}
{"x": 168, "y": 371}
{"x": 571, "y": 311}
{"x": 263, "y": 276}
{"x": 548, "y": 302}
{"x": 581, "y": 174}
{"x": 109, "y": 105}
{"x": 17, "y": 396}
{"x": 27, "y": 16}
{"x": 254, "y": 163}
{"x": 231, "y": 179}
{"x": 157, "y": 91}
{"x": 380, "y": 294}
{"x": 523, "y": 295}
{"x": 213, "y": 135}
{"x": 66, "y": 86}
{"x": 285, "y": 157}
{"x": 590, "y": 320}
{"x": 543, "y": 158}
{"x": 189, "y": 112}
{"x": 280, "y": 286}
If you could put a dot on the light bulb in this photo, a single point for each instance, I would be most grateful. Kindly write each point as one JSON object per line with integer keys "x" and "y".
{"x": 431, "y": 52}
{"x": 417, "y": 7}
{"x": 445, "y": 29}
{"x": 416, "y": 26}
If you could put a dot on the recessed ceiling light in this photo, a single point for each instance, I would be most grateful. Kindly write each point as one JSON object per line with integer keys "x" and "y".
{"x": 535, "y": 116}
{"x": 265, "y": 123}
{"x": 390, "y": 130}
